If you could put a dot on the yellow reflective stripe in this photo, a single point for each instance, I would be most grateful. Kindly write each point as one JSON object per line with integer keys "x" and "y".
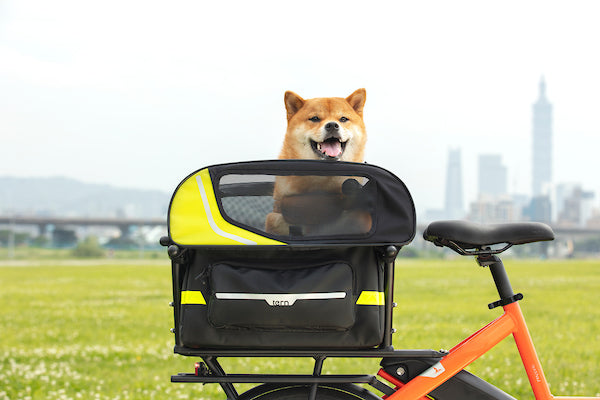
{"x": 371, "y": 298}
{"x": 224, "y": 228}
{"x": 212, "y": 210}
{"x": 192, "y": 297}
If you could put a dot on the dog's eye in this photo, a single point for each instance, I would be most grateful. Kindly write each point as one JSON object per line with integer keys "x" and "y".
{"x": 344, "y": 119}
{"x": 314, "y": 119}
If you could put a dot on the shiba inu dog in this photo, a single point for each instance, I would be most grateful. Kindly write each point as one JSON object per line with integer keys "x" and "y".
{"x": 328, "y": 129}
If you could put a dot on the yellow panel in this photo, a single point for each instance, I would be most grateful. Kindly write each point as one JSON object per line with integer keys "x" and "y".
{"x": 195, "y": 219}
{"x": 371, "y": 298}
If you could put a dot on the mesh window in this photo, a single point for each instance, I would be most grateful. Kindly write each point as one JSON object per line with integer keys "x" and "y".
{"x": 299, "y": 206}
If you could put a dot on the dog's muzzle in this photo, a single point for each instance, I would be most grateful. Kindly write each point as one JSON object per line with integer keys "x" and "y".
{"x": 332, "y": 147}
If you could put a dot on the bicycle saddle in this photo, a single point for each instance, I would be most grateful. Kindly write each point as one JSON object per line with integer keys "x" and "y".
{"x": 469, "y": 235}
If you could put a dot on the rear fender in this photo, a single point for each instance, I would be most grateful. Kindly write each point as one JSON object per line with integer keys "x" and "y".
{"x": 347, "y": 391}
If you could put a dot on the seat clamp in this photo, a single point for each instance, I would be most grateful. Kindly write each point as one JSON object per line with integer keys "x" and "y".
{"x": 506, "y": 301}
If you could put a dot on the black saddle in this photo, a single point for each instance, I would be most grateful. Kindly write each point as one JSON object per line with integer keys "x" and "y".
{"x": 462, "y": 236}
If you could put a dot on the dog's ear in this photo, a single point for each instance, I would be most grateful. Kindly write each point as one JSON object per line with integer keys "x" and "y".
{"x": 357, "y": 100}
{"x": 293, "y": 103}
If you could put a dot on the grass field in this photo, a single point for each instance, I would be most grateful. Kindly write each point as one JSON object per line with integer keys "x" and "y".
{"x": 91, "y": 330}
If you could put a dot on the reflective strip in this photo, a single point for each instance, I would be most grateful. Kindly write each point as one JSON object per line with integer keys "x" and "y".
{"x": 284, "y": 299}
{"x": 211, "y": 220}
{"x": 371, "y": 298}
{"x": 192, "y": 297}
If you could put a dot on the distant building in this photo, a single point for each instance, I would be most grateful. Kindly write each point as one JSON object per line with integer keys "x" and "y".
{"x": 561, "y": 193}
{"x": 542, "y": 144}
{"x": 539, "y": 209}
{"x": 492, "y": 176}
{"x": 453, "y": 202}
{"x": 494, "y": 210}
{"x": 594, "y": 221}
{"x": 493, "y": 203}
{"x": 577, "y": 208}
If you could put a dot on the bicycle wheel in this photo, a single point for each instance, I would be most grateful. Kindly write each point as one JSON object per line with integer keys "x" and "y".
{"x": 300, "y": 392}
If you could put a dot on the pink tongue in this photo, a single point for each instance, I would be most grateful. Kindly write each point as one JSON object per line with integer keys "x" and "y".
{"x": 332, "y": 148}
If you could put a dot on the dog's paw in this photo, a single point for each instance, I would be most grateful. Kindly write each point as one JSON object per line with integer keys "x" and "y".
{"x": 276, "y": 225}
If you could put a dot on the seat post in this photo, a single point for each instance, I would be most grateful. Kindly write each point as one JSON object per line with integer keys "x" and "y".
{"x": 499, "y": 274}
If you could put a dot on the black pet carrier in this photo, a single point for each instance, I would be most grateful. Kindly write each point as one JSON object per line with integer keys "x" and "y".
{"x": 286, "y": 254}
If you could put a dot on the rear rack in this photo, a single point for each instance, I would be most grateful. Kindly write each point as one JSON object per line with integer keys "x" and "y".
{"x": 369, "y": 353}
{"x": 259, "y": 378}
{"x": 210, "y": 371}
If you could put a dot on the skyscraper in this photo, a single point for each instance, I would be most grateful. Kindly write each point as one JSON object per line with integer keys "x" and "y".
{"x": 542, "y": 144}
{"x": 453, "y": 207}
{"x": 492, "y": 176}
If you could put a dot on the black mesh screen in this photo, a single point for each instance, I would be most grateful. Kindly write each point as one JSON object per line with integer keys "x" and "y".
{"x": 299, "y": 206}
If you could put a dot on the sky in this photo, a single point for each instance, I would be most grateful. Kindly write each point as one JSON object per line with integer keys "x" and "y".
{"x": 142, "y": 93}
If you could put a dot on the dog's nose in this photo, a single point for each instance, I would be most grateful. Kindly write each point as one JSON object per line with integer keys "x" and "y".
{"x": 332, "y": 126}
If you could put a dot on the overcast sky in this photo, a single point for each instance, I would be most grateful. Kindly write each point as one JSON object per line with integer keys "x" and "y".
{"x": 141, "y": 93}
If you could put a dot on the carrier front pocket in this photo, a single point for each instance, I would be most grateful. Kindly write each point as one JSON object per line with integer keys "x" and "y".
{"x": 317, "y": 298}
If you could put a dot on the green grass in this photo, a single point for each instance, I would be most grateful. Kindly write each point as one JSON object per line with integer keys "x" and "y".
{"x": 93, "y": 330}
{"x": 32, "y": 253}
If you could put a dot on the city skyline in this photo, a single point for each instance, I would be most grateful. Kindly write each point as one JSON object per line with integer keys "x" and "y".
{"x": 562, "y": 203}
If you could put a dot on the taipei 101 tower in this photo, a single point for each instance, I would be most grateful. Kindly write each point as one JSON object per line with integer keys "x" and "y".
{"x": 542, "y": 144}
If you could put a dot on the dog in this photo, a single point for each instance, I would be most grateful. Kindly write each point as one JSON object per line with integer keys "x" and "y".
{"x": 329, "y": 129}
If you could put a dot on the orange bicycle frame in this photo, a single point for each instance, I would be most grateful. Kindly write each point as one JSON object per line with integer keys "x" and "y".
{"x": 463, "y": 354}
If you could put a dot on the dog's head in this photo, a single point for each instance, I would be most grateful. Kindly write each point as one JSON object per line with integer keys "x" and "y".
{"x": 327, "y": 128}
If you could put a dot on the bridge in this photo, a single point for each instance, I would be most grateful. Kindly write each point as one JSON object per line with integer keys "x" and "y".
{"x": 43, "y": 222}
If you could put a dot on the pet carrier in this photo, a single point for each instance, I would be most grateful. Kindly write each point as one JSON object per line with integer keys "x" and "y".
{"x": 286, "y": 254}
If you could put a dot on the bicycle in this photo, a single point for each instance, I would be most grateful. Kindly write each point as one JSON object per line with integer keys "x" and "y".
{"x": 241, "y": 292}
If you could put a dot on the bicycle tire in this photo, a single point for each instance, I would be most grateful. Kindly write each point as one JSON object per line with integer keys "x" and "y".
{"x": 300, "y": 392}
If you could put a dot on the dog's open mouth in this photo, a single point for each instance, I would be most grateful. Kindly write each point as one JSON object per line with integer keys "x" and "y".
{"x": 329, "y": 149}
